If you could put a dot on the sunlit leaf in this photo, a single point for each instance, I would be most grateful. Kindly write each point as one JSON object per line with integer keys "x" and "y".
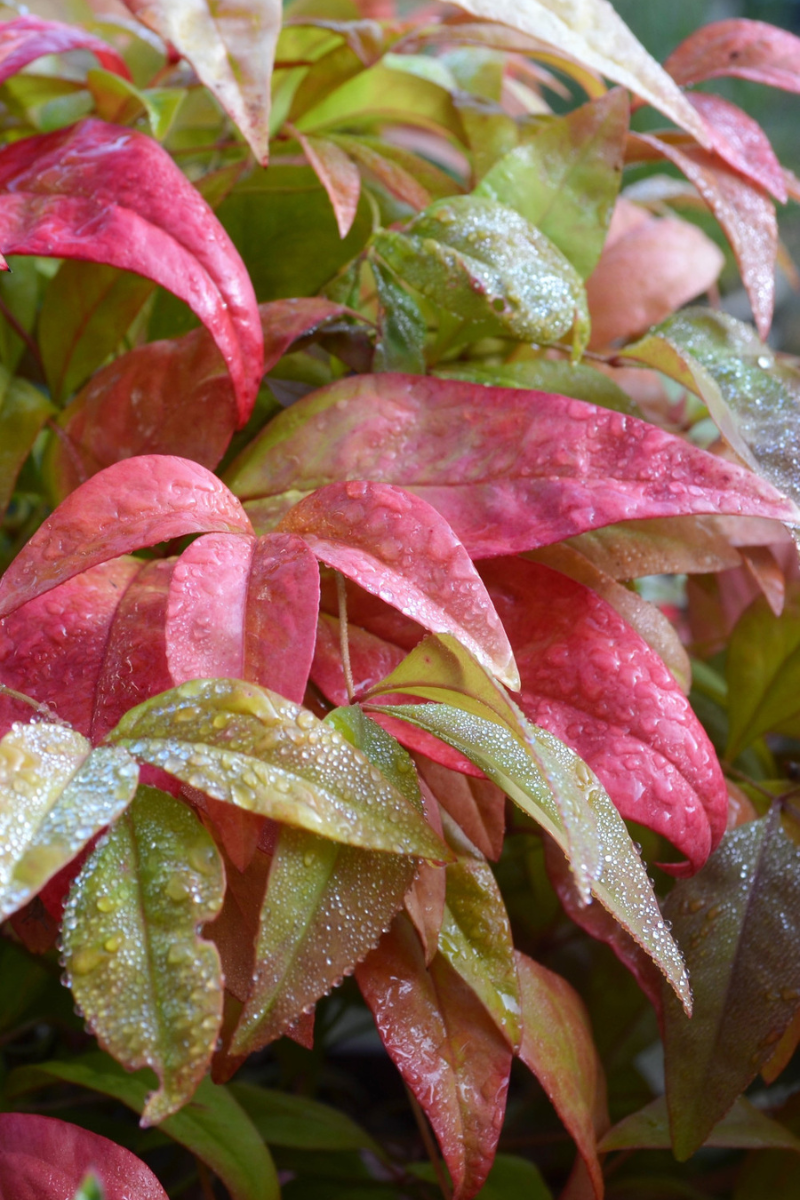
{"x": 743, "y": 1127}
{"x": 737, "y": 922}
{"x": 56, "y": 794}
{"x": 149, "y": 987}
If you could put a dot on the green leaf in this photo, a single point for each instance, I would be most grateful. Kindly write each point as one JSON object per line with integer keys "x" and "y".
{"x": 23, "y": 412}
{"x": 118, "y": 100}
{"x": 743, "y": 1127}
{"x": 286, "y": 1120}
{"x": 402, "y": 327}
{"x": 149, "y": 987}
{"x": 212, "y": 1126}
{"x": 381, "y": 94}
{"x": 763, "y": 673}
{"x": 566, "y": 178}
{"x": 547, "y": 375}
{"x": 511, "y": 1178}
{"x": 738, "y": 922}
{"x": 90, "y": 1189}
{"x": 56, "y": 794}
{"x": 87, "y": 310}
{"x": 491, "y": 132}
{"x": 241, "y": 743}
{"x": 487, "y": 265}
{"x": 326, "y": 905}
{"x": 19, "y": 290}
{"x": 752, "y": 397}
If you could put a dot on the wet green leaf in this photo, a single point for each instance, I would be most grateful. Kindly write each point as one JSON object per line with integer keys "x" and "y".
{"x": 286, "y": 1120}
{"x": 212, "y": 1125}
{"x": 738, "y": 922}
{"x": 149, "y": 987}
{"x": 743, "y": 1127}
{"x": 547, "y": 375}
{"x": 240, "y": 743}
{"x": 23, "y": 412}
{"x": 566, "y": 178}
{"x": 763, "y": 673}
{"x": 402, "y": 327}
{"x": 326, "y": 905}
{"x": 486, "y": 264}
{"x": 56, "y": 793}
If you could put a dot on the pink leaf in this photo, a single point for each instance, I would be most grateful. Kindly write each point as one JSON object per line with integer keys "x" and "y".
{"x": 746, "y": 215}
{"x": 338, "y": 175}
{"x": 508, "y": 469}
{"x": 108, "y": 194}
{"x": 398, "y": 547}
{"x": 371, "y": 659}
{"x": 747, "y": 49}
{"x": 132, "y": 504}
{"x": 557, "y": 1046}
{"x": 27, "y": 38}
{"x": 42, "y": 1158}
{"x": 447, "y": 1048}
{"x": 477, "y": 805}
{"x": 741, "y": 141}
{"x": 596, "y": 684}
{"x": 244, "y": 608}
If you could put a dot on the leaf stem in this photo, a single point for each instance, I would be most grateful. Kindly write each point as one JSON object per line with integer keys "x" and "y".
{"x": 344, "y": 637}
{"x": 44, "y": 710}
{"x": 430, "y": 1145}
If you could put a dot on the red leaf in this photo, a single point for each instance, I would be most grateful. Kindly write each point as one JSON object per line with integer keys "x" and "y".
{"x": 746, "y": 215}
{"x": 371, "y": 659}
{"x": 132, "y": 504}
{"x": 590, "y": 679}
{"x": 27, "y": 38}
{"x": 244, "y": 608}
{"x": 45, "y": 1159}
{"x": 108, "y": 194}
{"x": 557, "y": 1046}
{"x": 747, "y": 49}
{"x": 396, "y": 546}
{"x": 741, "y": 141}
{"x": 477, "y": 805}
{"x": 446, "y": 1047}
{"x": 338, "y": 175}
{"x": 508, "y": 469}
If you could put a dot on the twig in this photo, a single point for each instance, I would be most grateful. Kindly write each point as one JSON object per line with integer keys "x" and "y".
{"x": 43, "y": 710}
{"x": 344, "y": 637}
{"x": 430, "y": 1145}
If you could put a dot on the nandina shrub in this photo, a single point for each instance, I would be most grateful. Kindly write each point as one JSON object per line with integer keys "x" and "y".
{"x": 349, "y": 408}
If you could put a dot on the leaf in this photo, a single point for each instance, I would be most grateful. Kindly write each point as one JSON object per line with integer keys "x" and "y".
{"x": 737, "y": 922}
{"x": 596, "y": 36}
{"x": 231, "y": 49}
{"x": 23, "y": 412}
{"x": 117, "y": 100}
{"x": 557, "y": 1046}
{"x": 26, "y": 38}
{"x": 402, "y": 326}
{"x": 379, "y": 95}
{"x": 678, "y": 545}
{"x": 212, "y": 1125}
{"x": 593, "y": 682}
{"x": 446, "y": 1047}
{"x": 746, "y": 215}
{"x": 87, "y": 310}
{"x": 458, "y": 446}
{"x": 108, "y": 194}
{"x": 746, "y": 49}
{"x": 762, "y": 672}
{"x": 411, "y": 179}
{"x": 487, "y": 265}
{"x": 286, "y": 1120}
{"x": 134, "y": 503}
{"x": 566, "y": 178}
{"x": 395, "y": 545}
{"x": 149, "y": 987}
{"x": 649, "y": 267}
{"x": 476, "y": 805}
{"x": 743, "y": 1127}
{"x": 56, "y": 794}
{"x": 249, "y": 747}
{"x": 338, "y": 175}
{"x": 741, "y": 141}
{"x": 546, "y": 375}
{"x": 41, "y": 1158}
{"x": 244, "y": 608}
{"x": 748, "y": 394}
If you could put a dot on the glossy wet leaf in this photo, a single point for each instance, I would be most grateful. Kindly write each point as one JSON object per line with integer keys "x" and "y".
{"x": 681, "y": 545}
{"x": 212, "y": 1126}
{"x": 56, "y": 794}
{"x": 557, "y": 1046}
{"x": 244, "y": 608}
{"x": 565, "y": 179}
{"x": 746, "y": 49}
{"x": 743, "y": 1127}
{"x": 484, "y": 262}
{"x": 741, "y": 141}
{"x": 42, "y": 1158}
{"x": 737, "y": 924}
{"x": 396, "y": 546}
{"x": 446, "y": 1047}
{"x": 149, "y": 987}
{"x": 402, "y": 326}
{"x": 28, "y": 37}
{"x": 459, "y": 446}
{"x": 23, "y": 412}
{"x": 763, "y": 670}
{"x": 134, "y": 503}
{"x": 286, "y": 1120}
{"x": 232, "y": 50}
{"x": 240, "y": 743}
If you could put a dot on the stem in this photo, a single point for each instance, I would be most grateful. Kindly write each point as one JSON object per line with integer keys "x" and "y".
{"x": 206, "y": 1182}
{"x": 735, "y": 773}
{"x": 344, "y": 637}
{"x": 430, "y": 1145}
{"x": 43, "y": 710}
